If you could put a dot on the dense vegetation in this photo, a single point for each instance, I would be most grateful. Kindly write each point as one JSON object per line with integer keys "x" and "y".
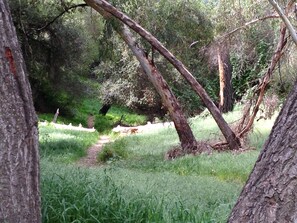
{"x": 78, "y": 55}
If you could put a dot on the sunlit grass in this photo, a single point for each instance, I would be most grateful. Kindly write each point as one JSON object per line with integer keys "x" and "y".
{"x": 141, "y": 186}
{"x": 64, "y": 146}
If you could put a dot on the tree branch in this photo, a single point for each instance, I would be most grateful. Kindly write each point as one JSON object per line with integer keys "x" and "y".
{"x": 285, "y": 20}
{"x": 61, "y": 14}
{"x": 196, "y": 86}
{"x": 248, "y": 24}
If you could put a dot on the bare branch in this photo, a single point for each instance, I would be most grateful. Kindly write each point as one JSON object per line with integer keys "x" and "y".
{"x": 223, "y": 37}
{"x": 61, "y": 14}
{"x": 248, "y": 24}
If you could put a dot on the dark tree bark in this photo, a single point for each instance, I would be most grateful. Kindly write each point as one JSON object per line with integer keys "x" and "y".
{"x": 19, "y": 157}
{"x": 187, "y": 139}
{"x": 229, "y": 135}
{"x": 270, "y": 194}
{"x": 104, "y": 109}
{"x": 225, "y": 74}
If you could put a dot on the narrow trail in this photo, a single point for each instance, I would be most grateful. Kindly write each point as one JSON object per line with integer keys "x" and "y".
{"x": 91, "y": 159}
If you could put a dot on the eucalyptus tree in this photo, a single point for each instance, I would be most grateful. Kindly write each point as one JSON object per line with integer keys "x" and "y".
{"x": 19, "y": 156}
{"x": 187, "y": 139}
{"x": 175, "y": 23}
{"x": 230, "y": 137}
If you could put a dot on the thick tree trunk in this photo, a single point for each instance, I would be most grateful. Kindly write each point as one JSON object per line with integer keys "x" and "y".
{"x": 270, "y": 194}
{"x": 187, "y": 139}
{"x": 19, "y": 157}
{"x": 225, "y": 74}
{"x": 229, "y": 135}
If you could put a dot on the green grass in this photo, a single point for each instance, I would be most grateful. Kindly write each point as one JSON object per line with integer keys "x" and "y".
{"x": 143, "y": 187}
{"x": 72, "y": 194}
{"x": 64, "y": 146}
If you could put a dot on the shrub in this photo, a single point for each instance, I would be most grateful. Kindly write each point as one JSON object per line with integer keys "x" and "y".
{"x": 113, "y": 151}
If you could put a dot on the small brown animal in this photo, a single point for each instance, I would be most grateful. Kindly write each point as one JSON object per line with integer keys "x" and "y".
{"x": 133, "y": 130}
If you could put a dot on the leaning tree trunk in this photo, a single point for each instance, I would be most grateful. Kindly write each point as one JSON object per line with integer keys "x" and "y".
{"x": 229, "y": 135}
{"x": 187, "y": 139}
{"x": 270, "y": 194}
{"x": 225, "y": 74}
{"x": 19, "y": 157}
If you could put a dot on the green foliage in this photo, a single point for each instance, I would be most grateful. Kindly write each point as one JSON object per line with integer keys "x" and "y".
{"x": 64, "y": 146}
{"x": 107, "y": 122}
{"x": 55, "y": 54}
{"x": 112, "y": 152}
{"x": 176, "y": 24}
{"x": 103, "y": 124}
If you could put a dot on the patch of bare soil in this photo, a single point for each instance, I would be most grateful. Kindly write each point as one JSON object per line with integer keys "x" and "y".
{"x": 91, "y": 159}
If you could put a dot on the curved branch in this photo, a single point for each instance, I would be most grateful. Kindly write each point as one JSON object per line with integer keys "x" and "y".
{"x": 61, "y": 14}
{"x": 285, "y": 20}
{"x": 196, "y": 86}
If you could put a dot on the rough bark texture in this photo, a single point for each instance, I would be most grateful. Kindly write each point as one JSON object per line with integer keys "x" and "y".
{"x": 19, "y": 157}
{"x": 229, "y": 135}
{"x": 225, "y": 74}
{"x": 270, "y": 194}
{"x": 187, "y": 139}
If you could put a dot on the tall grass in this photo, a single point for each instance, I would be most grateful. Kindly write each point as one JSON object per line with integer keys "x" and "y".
{"x": 72, "y": 194}
{"x": 64, "y": 146}
{"x": 143, "y": 187}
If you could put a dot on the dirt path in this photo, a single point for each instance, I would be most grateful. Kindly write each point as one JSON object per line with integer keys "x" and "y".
{"x": 91, "y": 159}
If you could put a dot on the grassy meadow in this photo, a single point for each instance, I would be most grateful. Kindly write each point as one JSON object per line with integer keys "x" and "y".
{"x": 138, "y": 185}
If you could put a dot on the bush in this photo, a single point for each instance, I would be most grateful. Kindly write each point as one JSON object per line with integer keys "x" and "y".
{"x": 113, "y": 151}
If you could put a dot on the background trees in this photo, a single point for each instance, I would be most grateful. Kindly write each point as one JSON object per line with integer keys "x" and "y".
{"x": 58, "y": 54}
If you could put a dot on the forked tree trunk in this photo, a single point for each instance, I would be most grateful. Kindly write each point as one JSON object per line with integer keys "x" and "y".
{"x": 270, "y": 194}
{"x": 229, "y": 135}
{"x": 225, "y": 75}
{"x": 19, "y": 157}
{"x": 186, "y": 137}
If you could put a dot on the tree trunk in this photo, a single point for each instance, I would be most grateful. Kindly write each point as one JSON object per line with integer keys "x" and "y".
{"x": 19, "y": 157}
{"x": 229, "y": 135}
{"x": 104, "y": 109}
{"x": 187, "y": 139}
{"x": 225, "y": 74}
{"x": 270, "y": 194}
{"x": 182, "y": 127}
